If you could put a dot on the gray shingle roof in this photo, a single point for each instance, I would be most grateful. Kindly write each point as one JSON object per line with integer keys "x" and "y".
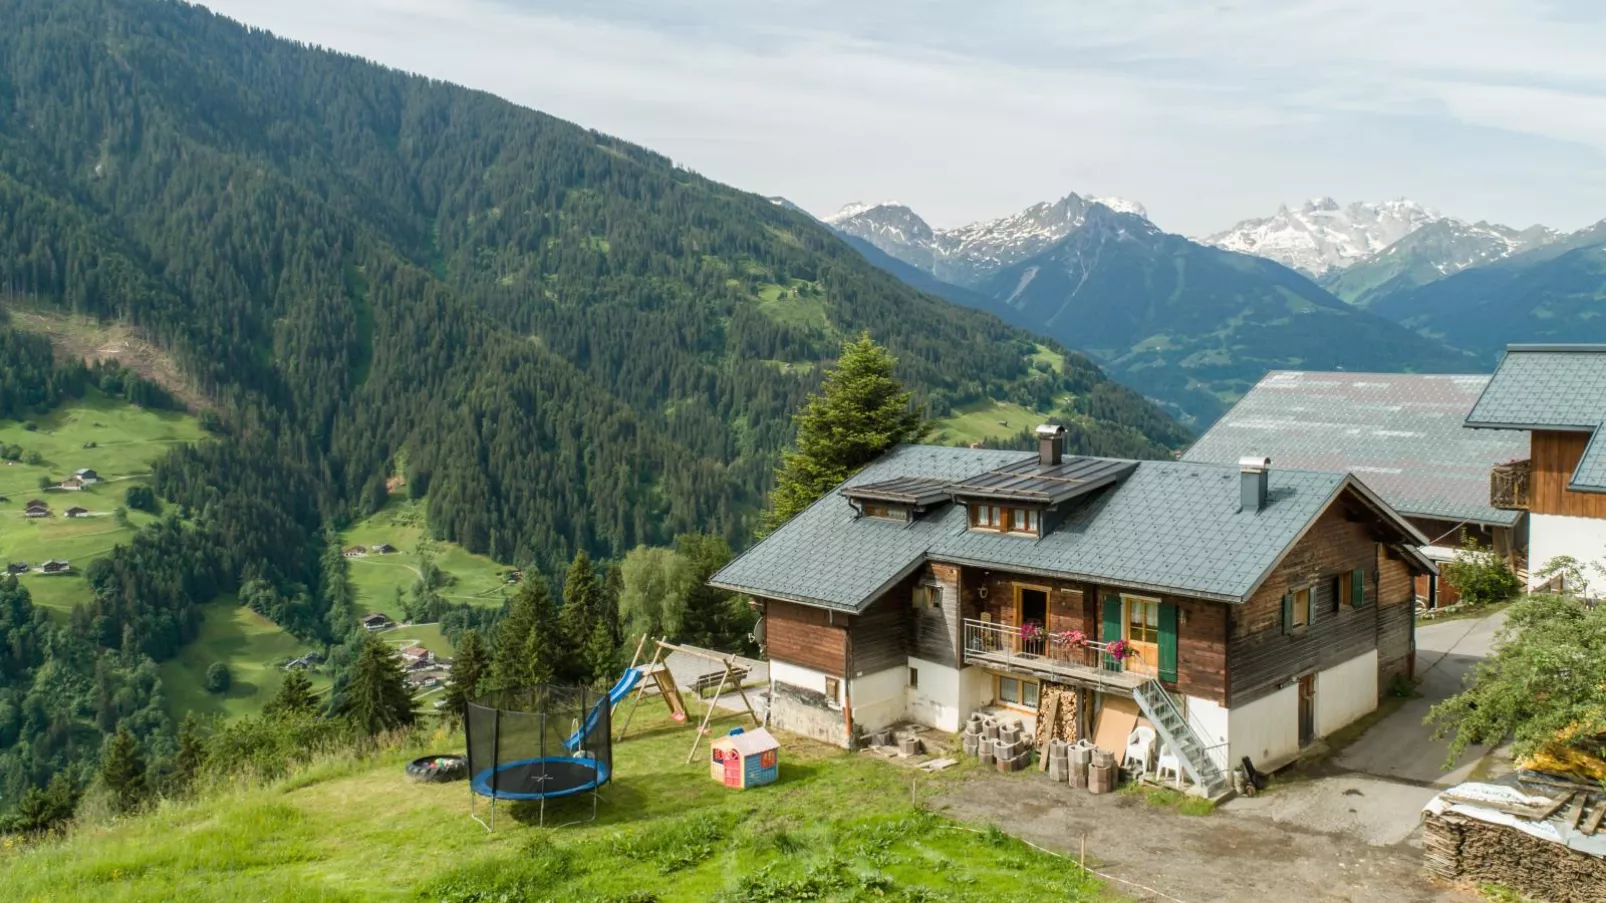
{"x": 1540, "y": 387}
{"x": 1590, "y": 474}
{"x": 1170, "y": 526}
{"x": 1402, "y": 434}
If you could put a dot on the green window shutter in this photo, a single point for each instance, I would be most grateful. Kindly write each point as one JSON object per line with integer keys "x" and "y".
{"x": 1168, "y": 641}
{"x": 1112, "y": 628}
{"x": 1357, "y": 588}
{"x": 1288, "y": 613}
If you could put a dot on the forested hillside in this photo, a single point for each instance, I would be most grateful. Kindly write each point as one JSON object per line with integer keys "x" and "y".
{"x": 562, "y": 341}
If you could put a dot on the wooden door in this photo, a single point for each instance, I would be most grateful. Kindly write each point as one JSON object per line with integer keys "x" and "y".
{"x": 1143, "y": 632}
{"x": 1031, "y": 608}
{"x": 1307, "y": 710}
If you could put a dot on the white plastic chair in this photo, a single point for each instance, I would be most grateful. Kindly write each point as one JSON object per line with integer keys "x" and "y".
{"x": 1169, "y": 761}
{"x": 1140, "y": 749}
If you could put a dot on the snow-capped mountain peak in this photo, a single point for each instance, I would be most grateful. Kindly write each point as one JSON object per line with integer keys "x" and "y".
{"x": 1323, "y": 235}
{"x": 967, "y": 254}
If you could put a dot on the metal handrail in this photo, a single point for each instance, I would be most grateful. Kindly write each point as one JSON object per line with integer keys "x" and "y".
{"x": 1037, "y": 644}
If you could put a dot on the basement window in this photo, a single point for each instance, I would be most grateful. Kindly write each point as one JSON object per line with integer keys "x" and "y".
{"x": 1013, "y": 691}
{"x": 833, "y": 689}
{"x": 914, "y": 678}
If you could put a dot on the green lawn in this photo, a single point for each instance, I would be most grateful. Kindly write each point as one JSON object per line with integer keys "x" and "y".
{"x": 427, "y": 635}
{"x": 836, "y": 827}
{"x": 984, "y": 420}
{"x": 475, "y": 578}
{"x": 254, "y": 649}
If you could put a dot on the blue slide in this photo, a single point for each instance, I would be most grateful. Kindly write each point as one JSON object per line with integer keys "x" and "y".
{"x": 632, "y": 676}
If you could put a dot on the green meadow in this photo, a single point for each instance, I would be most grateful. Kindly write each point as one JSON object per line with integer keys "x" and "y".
{"x": 474, "y": 579}
{"x": 252, "y": 646}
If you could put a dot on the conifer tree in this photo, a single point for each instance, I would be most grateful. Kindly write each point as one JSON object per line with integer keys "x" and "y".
{"x": 122, "y": 770}
{"x": 861, "y": 411}
{"x": 582, "y": 607}
{"x": 527, "y": 642}
{"x": 295, "y": 697}
{"x": 191, "y": 754}
{"x": 470, "y": 663}
{"x": 377, "y": 698}
{"x": 600, "y": 655}
{"x": 44, "y": 809}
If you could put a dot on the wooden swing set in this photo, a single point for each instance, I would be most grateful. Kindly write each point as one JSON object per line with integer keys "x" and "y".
{"x": 656, "y": 673}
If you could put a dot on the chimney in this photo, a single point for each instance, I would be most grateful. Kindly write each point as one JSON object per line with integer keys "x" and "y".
{"x": 1253, "y": 472}
{"x": 1050, "y": 444}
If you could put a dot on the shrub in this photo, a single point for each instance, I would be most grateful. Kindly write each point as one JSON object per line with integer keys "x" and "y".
{"x": 1480, "y": 576}
{"x": 141, "y": 498}
{"x": 218, "y": 678}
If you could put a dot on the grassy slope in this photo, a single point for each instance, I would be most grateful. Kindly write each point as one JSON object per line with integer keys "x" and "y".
{"x": 127, "y": 439}
{"x": 252, "y": 646}
{"x": 976, "y": 422}
{"x": 475, "y": 578}
{"x": 835, "y": 825}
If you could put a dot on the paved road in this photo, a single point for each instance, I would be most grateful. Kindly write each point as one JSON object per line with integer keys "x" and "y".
{"x": 1399, "y": 747}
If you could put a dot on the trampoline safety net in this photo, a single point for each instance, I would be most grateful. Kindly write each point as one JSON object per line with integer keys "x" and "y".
{"x": 539, "y": 743}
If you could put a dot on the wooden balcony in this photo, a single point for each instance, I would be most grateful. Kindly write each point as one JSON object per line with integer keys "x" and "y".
{"x": 1508, "y": 486}
{"x": 1051, "y": 656}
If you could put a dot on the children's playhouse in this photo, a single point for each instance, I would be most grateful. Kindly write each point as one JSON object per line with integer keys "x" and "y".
{"x": 744, "y": 759}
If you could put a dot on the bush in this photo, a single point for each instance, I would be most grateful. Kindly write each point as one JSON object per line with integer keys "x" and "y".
{"x": 1480, "y": 577}
{"x": 141, "y": 498}
{"x": 218, "y": 678}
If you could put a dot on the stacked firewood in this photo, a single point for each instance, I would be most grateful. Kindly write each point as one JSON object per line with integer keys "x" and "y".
{"x": 1460, "y": 848}
{"x": 1057, "y": 714}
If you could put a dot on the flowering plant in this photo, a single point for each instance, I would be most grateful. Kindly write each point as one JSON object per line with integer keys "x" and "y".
{"x": 1069, "y": 638}
{"x": 1031, "y": 630}
{"x": 1119, "y": 649}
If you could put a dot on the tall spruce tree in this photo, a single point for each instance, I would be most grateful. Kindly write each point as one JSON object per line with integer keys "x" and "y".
{"x": 861, "y": 411}
{"x": 122, "y": 770}
{"x": 377, "y": 698}
{"x": 714, "y": 618}
{"x": 582, "y": 607}
{"x": 527, "y": 642}
{"x": 295, "y": 697}
{"x": 191, "y": 754}
{"x": 470, "y": 664}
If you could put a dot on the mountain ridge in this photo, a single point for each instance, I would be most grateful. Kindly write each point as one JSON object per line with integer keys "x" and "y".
{"x": 1320, "y": 235}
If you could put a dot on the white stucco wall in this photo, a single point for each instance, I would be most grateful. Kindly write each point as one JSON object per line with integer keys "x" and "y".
{"x": 975, "y": 690}
{"x": 1346, "y": 692}
{"x": 1210, "y": 722}
{"x": 1550, "y": 535}
{"x": 879, "y": 699}
{"x": 1266, "y": 730}
{"x": 939, "y": 701}
{"x": 798, "y": 676}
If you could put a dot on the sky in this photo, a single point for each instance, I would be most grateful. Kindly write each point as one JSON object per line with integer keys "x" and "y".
{"x": 1205, "y": 111}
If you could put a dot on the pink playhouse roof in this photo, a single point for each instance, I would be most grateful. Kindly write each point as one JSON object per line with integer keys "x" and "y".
{"x": 751, "y": 742}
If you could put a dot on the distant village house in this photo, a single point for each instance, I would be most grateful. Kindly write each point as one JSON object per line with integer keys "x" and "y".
{"x": 86, "y": 476}
{"x": 54, "y": 566}
{"x": 77, "y": 512}
{"x": 383, "y": 548}
{"x": 17, "y": 567}
{"x": 354, "y": 551}
{"x": 376, "y": 621}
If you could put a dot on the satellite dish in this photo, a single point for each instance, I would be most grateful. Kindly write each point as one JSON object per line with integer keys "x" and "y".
{"x": 757, "y": 635}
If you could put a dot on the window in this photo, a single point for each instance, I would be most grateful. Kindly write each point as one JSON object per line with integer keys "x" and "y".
{"x": 1298, "y": 609}
{"x": 1342, "y": 589}
{"x": 986, "y": 517}
{"x": 914, "y": 678}
{"x": 884, "y": 511}
{"x": 1143, "y": 621}
{"x": 833, "y": 689}
{"x": 1022, "y": 520}
{"x": 927, "y": 597}
{"x": 1015, "y": 692}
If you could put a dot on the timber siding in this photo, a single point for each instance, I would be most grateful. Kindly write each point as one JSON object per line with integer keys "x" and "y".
{"x": 1263, "y": 658}
{"x": 1552, "y": 458}
{"x": 878, "y": 638}
{"x": 811, "y": 637}
{"x": 1396, "y": 616}
{"x": 934, "y": 635}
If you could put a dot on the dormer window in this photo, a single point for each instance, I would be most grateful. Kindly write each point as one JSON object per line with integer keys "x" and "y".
{"x": 885, "y": 511}
{"x": 1003, "y": 519}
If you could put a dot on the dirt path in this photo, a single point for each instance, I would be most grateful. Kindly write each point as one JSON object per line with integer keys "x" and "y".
{"x": 1219, "y": 857}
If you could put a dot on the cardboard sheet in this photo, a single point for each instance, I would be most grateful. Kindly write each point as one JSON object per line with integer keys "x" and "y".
{"x": 1114, "y": 723}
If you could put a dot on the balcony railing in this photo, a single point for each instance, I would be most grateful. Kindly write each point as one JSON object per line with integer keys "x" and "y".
{"x": 1035, "y": 650}
{"x": 1508, "y": 485}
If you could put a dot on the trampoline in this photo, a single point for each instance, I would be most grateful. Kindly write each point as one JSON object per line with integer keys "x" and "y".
{"x": 534, "y": 744}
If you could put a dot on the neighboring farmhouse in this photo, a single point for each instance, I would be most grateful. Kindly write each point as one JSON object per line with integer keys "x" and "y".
{"x": 376, "y": 621}
{"x": 1263, "y": 608}
{"x": 85, "y": 476}
{"x": 1553, "y": 397}
{"x": 1403, "y": 434}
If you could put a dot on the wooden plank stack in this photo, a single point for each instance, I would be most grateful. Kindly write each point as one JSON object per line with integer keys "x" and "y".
{"x": 1460, "y": 848}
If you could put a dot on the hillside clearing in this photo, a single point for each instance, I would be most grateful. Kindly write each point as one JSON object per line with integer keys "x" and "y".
{"x": 837, "y": 826}
{"x": 91, "y": 340}
{"x": 254, "y": 649}
{"x": 986, "y": 420}
{"x": 475, "y": 579}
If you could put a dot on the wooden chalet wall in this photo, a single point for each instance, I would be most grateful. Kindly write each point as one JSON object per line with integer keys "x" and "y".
{"x": 1262, "y": 658}
{"x": 802, "y": 635}
{"x": 934, "y": 634}
{"x": 878, "y": 638}
{"x": 1553, "y": 455}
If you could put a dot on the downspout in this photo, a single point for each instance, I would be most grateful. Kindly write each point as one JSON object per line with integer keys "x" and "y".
{"x": 847, "y": 682}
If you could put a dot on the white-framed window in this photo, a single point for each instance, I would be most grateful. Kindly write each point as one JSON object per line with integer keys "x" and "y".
{"x": 1017, "y": 692}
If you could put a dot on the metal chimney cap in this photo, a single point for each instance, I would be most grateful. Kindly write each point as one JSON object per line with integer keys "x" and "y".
{"x": 1254, "y": 464}
{"x": 1050, "y": 430}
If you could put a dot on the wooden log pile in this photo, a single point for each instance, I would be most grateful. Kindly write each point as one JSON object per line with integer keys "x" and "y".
{"x": 1460, "y": 848}
{"x": 1057, "y": 714}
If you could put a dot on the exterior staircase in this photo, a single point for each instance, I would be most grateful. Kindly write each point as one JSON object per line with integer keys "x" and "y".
{"x": 1162, "y": 710}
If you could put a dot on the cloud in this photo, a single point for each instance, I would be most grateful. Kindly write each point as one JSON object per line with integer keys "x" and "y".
{"x": 1206, "y": 112}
